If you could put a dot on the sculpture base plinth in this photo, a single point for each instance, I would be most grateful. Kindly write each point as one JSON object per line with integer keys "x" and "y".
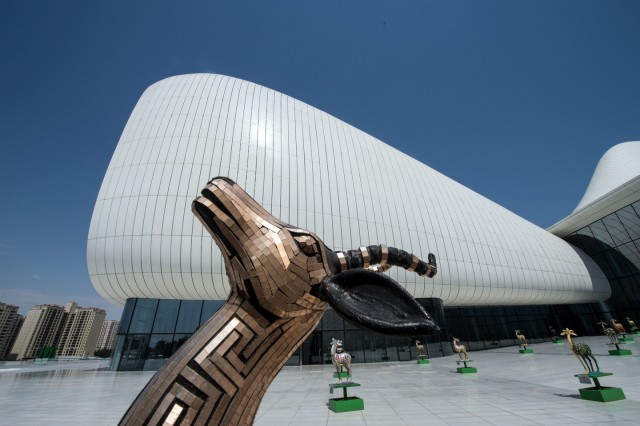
{"x": 598, "y": 392}
{"x": 602, "y": 394}
{"x": 526, "y": 351}
{"x": 342, "y": 405}
{"x": 557, "y": 341}
{"x": 343, "y": 374}
{"x": 466, "y": 370}
{"x": 620, "y": 352}
{"x": 346, "y": 403}
{"x": 423, "y": 361}
{"x": 625, "y": 339}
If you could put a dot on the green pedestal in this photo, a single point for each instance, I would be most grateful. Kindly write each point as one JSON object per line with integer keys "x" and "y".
{"x": 343, "y": 374}
{"x": 423, "y": 361}
{"x": 635, "y": 332}
{"x": 342, "y": 405}
{"x": 620, "y": 352}
{"x": 602, "y": 394}
{"x": 466, "y": 370}
{"x": 625, "y": 339}
{"x": 557, "y": 341}
{"x": 346, "y": 403}
{"x": 526, "y": 351}
{"x": 598, "y": 392}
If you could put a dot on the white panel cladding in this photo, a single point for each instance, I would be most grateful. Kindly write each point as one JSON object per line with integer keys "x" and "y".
{"x": 619, "y": 165}
{"x": 314, "y": 171}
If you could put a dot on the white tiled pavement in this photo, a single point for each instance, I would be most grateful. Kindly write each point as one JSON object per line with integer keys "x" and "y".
{"x": 509, "y": 389}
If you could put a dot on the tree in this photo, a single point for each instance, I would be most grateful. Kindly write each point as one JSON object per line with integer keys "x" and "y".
{"x": 103, "y": 353}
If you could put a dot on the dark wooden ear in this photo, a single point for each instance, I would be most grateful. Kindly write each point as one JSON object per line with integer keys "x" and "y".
{"x": 376, "y": 302}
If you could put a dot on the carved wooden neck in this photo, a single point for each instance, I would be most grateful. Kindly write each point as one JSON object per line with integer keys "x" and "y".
{"x": 220, "y": 375}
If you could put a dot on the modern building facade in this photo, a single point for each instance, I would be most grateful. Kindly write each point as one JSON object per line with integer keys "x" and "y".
{"x": 80, "y": 331}
{"x": 147, "y": 250}
{"x": 10, "y": 323}
{"x": 108, "y": 334}
{"x": 41, "y": 329}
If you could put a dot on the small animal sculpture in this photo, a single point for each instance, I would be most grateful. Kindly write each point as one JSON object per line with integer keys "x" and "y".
{"x": 610, "y": 332}
{"x": 281, "y": 280}
{"x": 420, "y": 347}
{"x": 460, "y": 349}
{"x": 582, "y": 351}
{"x": 632, "y": 324}
{"x": 521, "y": 339}
{"x": 340, "y": 359}
{"x": 619, "y": 327}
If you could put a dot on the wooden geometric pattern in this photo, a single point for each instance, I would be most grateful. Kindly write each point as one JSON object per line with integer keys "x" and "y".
{"x": 219, "y": 376}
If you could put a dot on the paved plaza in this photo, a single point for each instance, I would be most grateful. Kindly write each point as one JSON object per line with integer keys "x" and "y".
{"x": 509, "y": 389}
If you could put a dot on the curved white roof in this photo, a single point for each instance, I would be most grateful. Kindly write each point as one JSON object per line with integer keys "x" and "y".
{"x": 618, "y": 165}
{"x": 314, "y": 171}
{"x": 615, "y": 184}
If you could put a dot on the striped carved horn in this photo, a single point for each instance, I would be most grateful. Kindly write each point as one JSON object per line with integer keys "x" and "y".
{"x": 380, "y": 258}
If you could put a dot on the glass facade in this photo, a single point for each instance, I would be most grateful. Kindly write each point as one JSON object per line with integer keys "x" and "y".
{"x": 151, "y": 330}
{"x": 614, "y": 242}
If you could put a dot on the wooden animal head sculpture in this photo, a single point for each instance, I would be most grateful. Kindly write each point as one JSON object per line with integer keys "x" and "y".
{"x": 281, "y": 279}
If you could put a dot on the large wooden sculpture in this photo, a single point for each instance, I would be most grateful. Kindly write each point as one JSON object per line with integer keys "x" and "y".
{"x": 281, "y": 279}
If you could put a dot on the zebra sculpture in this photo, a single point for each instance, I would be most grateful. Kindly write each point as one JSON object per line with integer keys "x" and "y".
{"x": 610, "y": 332}
{"x": 281, "y": 279}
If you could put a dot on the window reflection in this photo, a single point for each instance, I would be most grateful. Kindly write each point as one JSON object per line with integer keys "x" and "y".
{"x": 143, "y": 314}
{"x": 166, "y": 316}
{"x": 189, "y": 316}
{"x": 618, "y": 234}
{"x": 630, "y": 220}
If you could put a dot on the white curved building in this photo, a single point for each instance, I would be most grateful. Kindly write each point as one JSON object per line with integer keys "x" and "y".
{"x": 319, "y": 173}
{"x": 619, "y": 165}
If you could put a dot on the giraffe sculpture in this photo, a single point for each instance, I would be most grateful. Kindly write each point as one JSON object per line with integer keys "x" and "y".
{"x": 281, "y": 280}
{"x": 420, "y": 347}
{"x": 610, "y": 332}
{"x": 582, "y": 351}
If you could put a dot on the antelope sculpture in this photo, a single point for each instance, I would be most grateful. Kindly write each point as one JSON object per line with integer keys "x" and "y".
{"x": 421, "y": 350}
{"x": 521, "y": 339}
{"x": 281, "y": 278}
{"x": 582, "y": 351}
{"x": 632, "y": 324}
{"x": 618, "y": 327}
{"x": 340, "y": 358}
{"x": 460, "y": 349}
{"x": 610, "y": 332}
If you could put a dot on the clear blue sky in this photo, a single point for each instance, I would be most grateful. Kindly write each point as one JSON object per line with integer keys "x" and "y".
{"x": 517, "y": 100}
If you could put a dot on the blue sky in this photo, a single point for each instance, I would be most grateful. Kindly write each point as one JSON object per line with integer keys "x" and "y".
{"x": 517, "y": 100}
